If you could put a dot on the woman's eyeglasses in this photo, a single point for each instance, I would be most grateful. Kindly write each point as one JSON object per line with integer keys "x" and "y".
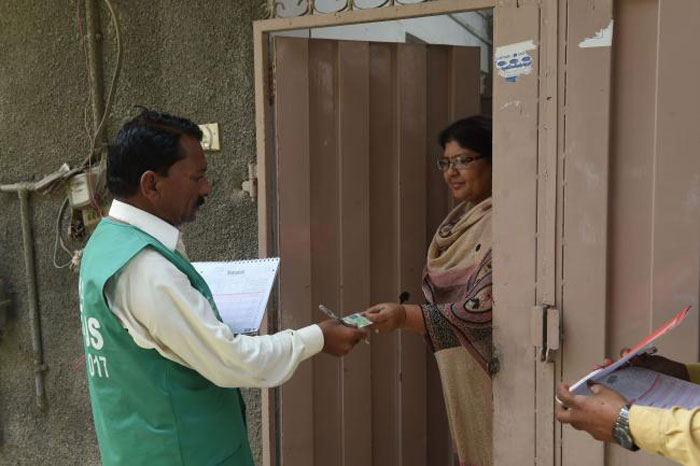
{"x": 460, "y": 162}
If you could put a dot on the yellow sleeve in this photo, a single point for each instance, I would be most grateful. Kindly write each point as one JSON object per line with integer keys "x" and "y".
{"x": 673, "y": 433}
{"x": 693, "y": 372}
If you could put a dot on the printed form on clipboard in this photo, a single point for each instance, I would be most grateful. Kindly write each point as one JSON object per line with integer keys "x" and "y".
{"x": 241, "y": 290}
{"x": 643, "y": 386}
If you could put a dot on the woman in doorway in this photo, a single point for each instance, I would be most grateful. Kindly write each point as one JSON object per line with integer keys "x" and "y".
{"x": 457, "y": 285}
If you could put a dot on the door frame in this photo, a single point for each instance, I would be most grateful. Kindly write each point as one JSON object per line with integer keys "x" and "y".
{"x": 532, "y": 125}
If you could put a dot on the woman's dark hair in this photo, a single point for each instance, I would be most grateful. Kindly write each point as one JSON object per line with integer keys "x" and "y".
{"x": 471, "y": 133}
{"x": 149, "y": 141}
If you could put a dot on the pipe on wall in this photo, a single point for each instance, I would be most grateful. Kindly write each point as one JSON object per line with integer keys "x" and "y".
{"x": 33, "y": 297}
{"x": 23, "y": 189}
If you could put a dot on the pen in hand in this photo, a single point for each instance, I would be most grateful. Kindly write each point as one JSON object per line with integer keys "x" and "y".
{"x": 332, "y": 315}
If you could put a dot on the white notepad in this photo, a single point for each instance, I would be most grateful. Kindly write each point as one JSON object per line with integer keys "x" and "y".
{"x": 241, "y": 290}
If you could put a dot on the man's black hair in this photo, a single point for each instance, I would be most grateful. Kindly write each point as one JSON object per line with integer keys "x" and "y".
{"x": 471, "y": 133}
{"x": 148, "y": 142}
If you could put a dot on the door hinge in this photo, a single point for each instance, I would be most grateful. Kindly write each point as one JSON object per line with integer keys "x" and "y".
{"x": 545, "y": 331}
{"x": 251, "y": 184}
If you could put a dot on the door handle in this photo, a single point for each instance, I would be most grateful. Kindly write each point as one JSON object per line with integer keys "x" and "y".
{"x": 545, "y": 331}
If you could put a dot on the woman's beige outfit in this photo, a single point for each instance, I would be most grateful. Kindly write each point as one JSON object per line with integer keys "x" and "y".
{"x": 457, "y": 286}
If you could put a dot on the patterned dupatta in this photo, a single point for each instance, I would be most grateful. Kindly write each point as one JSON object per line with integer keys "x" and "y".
{"x": 457, "y": 282}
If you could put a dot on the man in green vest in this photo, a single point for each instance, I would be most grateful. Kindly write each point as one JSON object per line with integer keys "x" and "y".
{"x": 164, "y": 372}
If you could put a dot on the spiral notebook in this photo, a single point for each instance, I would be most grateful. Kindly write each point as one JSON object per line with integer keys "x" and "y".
{"x": 644, "y": 386}
{"x": 241, "y": 290}
{"x": 580, "y": 387}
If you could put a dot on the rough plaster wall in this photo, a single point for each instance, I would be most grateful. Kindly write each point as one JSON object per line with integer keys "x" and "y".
{"x": 190, "y": 58}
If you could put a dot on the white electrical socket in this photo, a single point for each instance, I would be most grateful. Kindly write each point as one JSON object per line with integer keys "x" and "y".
{"x": 210, "y": 136}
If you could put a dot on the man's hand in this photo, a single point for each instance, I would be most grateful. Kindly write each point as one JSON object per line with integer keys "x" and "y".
{"x": 661, "y": 364}
{"x": 339, "y": 339}
{"x": 594, "y": 414}
{"x": 387, "y": 317}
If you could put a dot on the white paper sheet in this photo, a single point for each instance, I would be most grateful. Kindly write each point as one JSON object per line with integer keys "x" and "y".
{"x": 648, "y": 388}
{"x": 241, "y": 290}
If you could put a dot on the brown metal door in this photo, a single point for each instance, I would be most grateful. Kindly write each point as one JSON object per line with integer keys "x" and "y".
{"x": 551, "y": 157}
{"x": 595, "y": 155}
{"x": 515, "y": 194}
{"x": 654, "y": 243}
{"x": 630, "y": 255}
{"x": 358, "y": 199}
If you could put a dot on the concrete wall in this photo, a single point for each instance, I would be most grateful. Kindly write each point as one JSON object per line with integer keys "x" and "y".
{"x": 178, "y": 56}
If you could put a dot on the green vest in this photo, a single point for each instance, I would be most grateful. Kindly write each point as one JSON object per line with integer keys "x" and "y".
{"x": 148, "y": 410}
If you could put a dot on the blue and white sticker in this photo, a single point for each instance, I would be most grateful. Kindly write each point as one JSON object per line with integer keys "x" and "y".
{"x": 514, "y": 60}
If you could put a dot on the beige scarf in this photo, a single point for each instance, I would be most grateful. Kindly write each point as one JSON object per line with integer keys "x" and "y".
{"x": 457, "y": 277}
{"x": 457, "y": 236}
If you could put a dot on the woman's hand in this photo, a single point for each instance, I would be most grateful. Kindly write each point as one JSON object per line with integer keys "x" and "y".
{"x": 387, "y": 317}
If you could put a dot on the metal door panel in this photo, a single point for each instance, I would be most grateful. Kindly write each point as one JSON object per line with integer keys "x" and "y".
{"x": 325, "y": 241}
{"x": 384, "y": 261}
{"x": 411, "y": 74}
{"x": 515, "y": 229}
{"x": 655, "y": 173}
{"x": 354, "y": 212}
{"x": 585, "y": 172}
{"x": 631, "y": 172}
{"x": 353, "y": 177}
{"x": 676, "y": 228}
{"x": 293, "y": 157}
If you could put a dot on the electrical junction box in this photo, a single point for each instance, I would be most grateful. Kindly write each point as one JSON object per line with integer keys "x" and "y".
{"x": 81, "y": 187}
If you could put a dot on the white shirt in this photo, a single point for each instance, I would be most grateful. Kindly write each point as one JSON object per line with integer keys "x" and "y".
{"x": 161, "y": 310}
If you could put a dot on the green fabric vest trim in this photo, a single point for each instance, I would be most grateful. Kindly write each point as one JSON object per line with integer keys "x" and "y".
{"x": 148, "y": 410}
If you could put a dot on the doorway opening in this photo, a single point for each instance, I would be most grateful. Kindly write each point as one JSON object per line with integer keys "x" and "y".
{"x": 352, "y": 139}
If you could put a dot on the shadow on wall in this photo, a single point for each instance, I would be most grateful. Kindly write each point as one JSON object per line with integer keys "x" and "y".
{"x": 5, "y": 306}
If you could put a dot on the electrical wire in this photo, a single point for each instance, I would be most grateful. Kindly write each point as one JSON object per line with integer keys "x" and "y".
{"x": 59, "y": 237}
{"x": 108, "y": 105}
{"x": 115, "y": 76}
{"x": 87, "y": 69}
{"x": 59, "y": 240}
{"x": 91, "y": 138}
